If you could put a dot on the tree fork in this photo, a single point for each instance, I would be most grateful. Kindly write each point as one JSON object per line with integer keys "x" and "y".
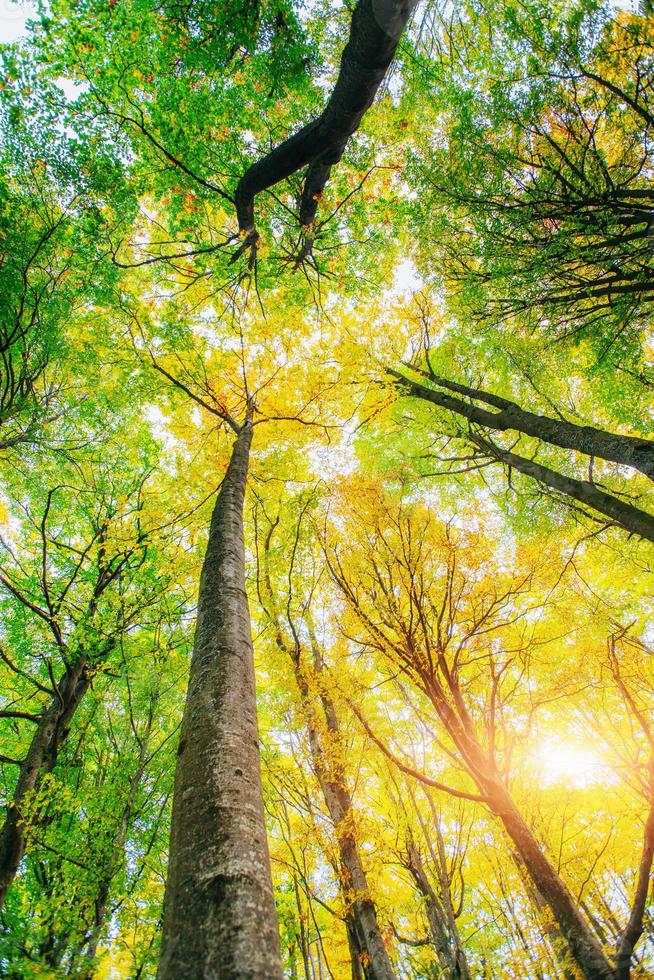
{"x": 375, "y": 31}
{"x": 219, "y": 911}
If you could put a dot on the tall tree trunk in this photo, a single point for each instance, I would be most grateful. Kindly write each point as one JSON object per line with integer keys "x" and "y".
{"x": 436, "y": 917}
{"x": 219, "y": 912}
{"x": 584, "y": 946}
{"x": 627, "y": 450}
{"x": 41, "y": 758}
{"x": 363, "y": 927}
{"x": 634, "y": 928}
{"x": 367, "y": 948}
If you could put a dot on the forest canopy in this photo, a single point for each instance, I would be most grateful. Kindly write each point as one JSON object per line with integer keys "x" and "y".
{"x": 326, "y": 506}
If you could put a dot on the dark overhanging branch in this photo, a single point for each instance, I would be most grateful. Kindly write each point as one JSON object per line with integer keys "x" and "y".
{"x": 630, "y": 518}
{"x": 375, "y": 31}
{"x": 632, "y": 451}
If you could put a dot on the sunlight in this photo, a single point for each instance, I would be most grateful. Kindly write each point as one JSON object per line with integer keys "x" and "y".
{"x": 570, "y": 762}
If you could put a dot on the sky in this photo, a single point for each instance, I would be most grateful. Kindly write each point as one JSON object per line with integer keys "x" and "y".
{"x": 14, "y": 15}
{"x": 12, "y": 19}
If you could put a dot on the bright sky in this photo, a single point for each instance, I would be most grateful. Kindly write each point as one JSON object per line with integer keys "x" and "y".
{"x": 14, "y": 15}
{"x": 12, "y": 19}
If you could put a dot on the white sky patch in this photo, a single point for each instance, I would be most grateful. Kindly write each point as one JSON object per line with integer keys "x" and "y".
{"x": 13, "y": 20}
{"x": 159, "y": 424}
{"x": 406, "y": 278}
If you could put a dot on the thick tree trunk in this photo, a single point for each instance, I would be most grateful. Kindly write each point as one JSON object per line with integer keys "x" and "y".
{"x": 584, "y": 947}
{"x": 377, "y": 26}
{"x": 549, "y": 926}
{"x": 627, "y": 450}
{"x": 41, "y": 758}
{"x": 219, "y": 912}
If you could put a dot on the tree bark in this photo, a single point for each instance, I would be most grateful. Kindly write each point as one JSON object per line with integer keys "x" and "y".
{"x": 376, "y": 28}
{"x": 219, "y": 912}
{"x": 630, "y": 518}
{"x": 627, "y": 450}
{"x": 582, "y": 942}
{"x": 41, "y": 759}
{"x": 362, "y": 915}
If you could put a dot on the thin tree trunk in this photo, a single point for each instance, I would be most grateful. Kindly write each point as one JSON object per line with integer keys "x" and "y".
{"x": 364, "y": 935}
{"x": 626, "y": 516}
{"x": 627, "y": 450}
{"x": 634, "y": 927}
{"x": 583, "y": 944}
{"x": 219, "y": 912}
{"x": 362, "y": 915}
{"x": 102, "y": 899}
{"x": 435, "y": 916}
{"x": 41, "y": 759}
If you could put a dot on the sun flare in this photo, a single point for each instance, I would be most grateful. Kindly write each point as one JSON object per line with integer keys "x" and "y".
{"x": 570, "y": 761}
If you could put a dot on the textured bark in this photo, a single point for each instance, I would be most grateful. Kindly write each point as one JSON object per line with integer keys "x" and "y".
{"x": 376, "y": 28}
{"x": 550, "y": 928}
{"x": 627, "y": 450}
{"x": 363, "y": 927}
{"x": 41, "y": 759}
{"x": 364, "y": 935}
{"x": 630, "y": 518}
{"x": 219, "y": 912}
{"x": 445, "y": 937}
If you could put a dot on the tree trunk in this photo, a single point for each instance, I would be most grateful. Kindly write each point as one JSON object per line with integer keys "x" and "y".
{"x": 219, "y": 912}
{"x": 626, "y": 516}
{"x": 584, "y": 947}
{"x": 363, "y": 928}
{"x": 41, "y": 759}
{"x": 626, "y": 450}
{"x": 634, "y": 927}
{"x": 377, "y": 26}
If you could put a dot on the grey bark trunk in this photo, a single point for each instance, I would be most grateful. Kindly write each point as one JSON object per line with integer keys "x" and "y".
{"x": 219, "y": 911}
{"x": 627, "y": 450}
{"x": 41, "y": 758}
{"x": 630, "y": 518}
{"x": 364, "y": 934}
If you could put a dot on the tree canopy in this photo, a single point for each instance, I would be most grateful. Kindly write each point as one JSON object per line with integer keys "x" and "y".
{"x": 326, "y": 497}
